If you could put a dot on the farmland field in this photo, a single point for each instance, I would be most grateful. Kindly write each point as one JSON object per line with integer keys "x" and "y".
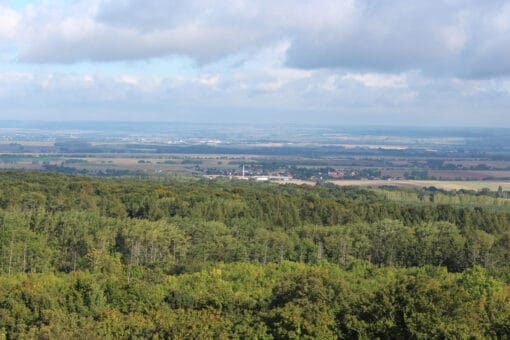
{"x": 363, "y": 157}
{"x": 445, "y": 185}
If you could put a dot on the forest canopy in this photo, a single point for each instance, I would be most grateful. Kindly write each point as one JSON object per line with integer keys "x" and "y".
{"x": 86, "y": 257}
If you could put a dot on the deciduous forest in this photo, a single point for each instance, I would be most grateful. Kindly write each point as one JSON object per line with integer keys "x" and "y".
{"x": 86, "y": 257}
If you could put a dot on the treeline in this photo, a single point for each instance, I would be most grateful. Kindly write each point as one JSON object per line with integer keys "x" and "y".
{"x": 137, "y": 257}
{"x": 484, "y": 197}
{"x": 59, "y": 220}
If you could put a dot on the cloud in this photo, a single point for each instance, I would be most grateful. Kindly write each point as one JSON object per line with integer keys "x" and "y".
{"x": 358, "y": 61}
{"x": 8, "y": 23}
{"x": 462, "y": 38}
{"x": 270, "y": 94}
{"x": 446, "y": 37}
{"x": 96, "y": 42}
{"x": 116, "y": 30}
{"x": 378, "y": 80}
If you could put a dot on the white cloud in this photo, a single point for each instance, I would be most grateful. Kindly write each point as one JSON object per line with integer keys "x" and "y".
{"x": 209, "y": 79}
{"x": 129, "y": 79}
{"x": 378, "y": 80}
{"x": 262, "y": 96}
{"x": 8, "y": 23}
{"x": 461, "y": 38}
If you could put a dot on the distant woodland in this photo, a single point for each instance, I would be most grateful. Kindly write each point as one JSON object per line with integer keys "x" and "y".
{"x": 87, "y": 257}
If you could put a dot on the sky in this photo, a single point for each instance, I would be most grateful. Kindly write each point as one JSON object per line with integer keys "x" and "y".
{"x": 342, "y": 62}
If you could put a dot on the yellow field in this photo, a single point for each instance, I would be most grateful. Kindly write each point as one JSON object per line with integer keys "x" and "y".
{"x": 446, "y": 185}
{"x": 297, "y": 181}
